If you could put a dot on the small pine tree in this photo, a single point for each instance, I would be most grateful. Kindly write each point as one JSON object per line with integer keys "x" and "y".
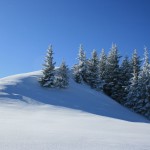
{"x": 47, "y": 79}
{"x": 76, "y": 74}
{"x": 62, "y": 79}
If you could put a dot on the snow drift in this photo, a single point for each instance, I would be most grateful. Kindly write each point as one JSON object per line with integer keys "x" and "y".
{"x": 76, "y": 118}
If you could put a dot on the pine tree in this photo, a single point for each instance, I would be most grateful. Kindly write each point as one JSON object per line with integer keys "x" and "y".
{"x": 147, "y": 102}
{"x": 143, "y": 104}
{"x": 47, "y": 79}
{"x": 62, "y": 79}
{"x": 136, "y": 62}
{"x": 102, "y": 64}
{"x": 79, "y": 70}
{"x": 125, "y": 76}
{"x": 146, "y": 69}
{"x": 112, "y": 73}
{"x": 93, "y": 71}
{"x": 76, "y": 74}
{"x": 133, "y": 88}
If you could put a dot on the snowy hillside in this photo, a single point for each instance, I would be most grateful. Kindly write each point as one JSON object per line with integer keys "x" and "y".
{"x": 77, "y": 118}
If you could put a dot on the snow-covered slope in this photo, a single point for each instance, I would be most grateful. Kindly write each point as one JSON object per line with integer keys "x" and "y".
{"x": 77, "y": 118}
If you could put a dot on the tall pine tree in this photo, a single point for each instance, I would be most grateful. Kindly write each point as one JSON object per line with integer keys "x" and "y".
{"x": 93, "y": 71}
{"x": 112, "y": 76}
{"x": 133, "y": 88}
{"x": 102, "y": 65}
{"x": 125, "y": 76}
{"x": 47, "y": 79}
{"x": 143, "y": 104}
{"x": 79, "y": 70}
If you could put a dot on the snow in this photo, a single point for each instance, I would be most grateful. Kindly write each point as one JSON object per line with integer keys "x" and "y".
{"x": 77, "y": 118}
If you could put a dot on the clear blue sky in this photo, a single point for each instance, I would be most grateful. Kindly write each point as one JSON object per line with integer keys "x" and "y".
{"x": 27, "y": 27}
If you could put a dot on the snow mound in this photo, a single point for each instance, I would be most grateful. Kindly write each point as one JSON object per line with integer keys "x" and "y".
{"x": 77, "y": 118}
{"x": 25, "y": 88}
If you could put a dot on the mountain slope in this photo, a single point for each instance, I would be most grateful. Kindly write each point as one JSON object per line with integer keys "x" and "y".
{"x": 77, "y": 118}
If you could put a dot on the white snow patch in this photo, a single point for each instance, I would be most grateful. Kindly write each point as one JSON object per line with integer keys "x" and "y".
{"x": 78, "y": 118}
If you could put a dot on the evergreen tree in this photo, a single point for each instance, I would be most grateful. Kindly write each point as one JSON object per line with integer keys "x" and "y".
{"x": 112, "y": 76}
{"x": 133, "y": 88}
{"x": 147, "y": 102}
{"x": 47, "y": 79}
{"x": 146, "y": 69}
{"x": 102, "y": 64}
{"x": 62, "y": 79}
{"x": 143, "y": 104}
{"x": 79, "y": 70}
{"x": 93, "y": 71}
{"x": 76, "y": 74}
{"x": 136, "y": 62}
{"x": 125, "y": 76}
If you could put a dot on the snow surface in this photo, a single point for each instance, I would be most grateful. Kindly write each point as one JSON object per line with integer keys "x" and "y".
{"x": 77, "y": 118}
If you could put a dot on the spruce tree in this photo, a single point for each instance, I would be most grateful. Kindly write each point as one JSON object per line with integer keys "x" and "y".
{"x": 146, "y": 69}
{"x": 102, "y": 65}
{"x": 125, "y": 76}
{"x": 133, "y": 88}
{"x": 93, "y": 71}
{"x": 147, "y": 102}
{"x": 136, "y": 62}
{"x": 143, "y": 104}
{"x": 79, "y": 70}
{"x": 76, "y": 74}
{"x": 112, "y": 73}
{"x": 62, "y": 79}
{"x": 47, "y": 79}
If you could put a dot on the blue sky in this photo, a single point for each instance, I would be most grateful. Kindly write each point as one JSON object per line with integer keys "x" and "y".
{"x": 27, "y": 27}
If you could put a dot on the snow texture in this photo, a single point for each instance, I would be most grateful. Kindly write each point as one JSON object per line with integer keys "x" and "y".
{"x": 77, "y": 118}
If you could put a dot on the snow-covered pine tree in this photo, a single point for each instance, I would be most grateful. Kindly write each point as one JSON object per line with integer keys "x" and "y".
{"x": 133, "y": 88}
{"x": 102, "y": 64}
{"x": 79, "y": 70}
{"x": 125, "y": 76}
{"x": 93, "y": 71}
{"x": 62, "y": 78}
{"x": 47, "y": 79}
{"x": 76, "y": 74}
{"x": 143, "y": 104}
{"x": 112, "y": 76}
{"x": 147, "y": 100}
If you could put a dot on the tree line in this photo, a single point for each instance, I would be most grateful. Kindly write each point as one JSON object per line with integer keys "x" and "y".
{"x": 127, "y": 82}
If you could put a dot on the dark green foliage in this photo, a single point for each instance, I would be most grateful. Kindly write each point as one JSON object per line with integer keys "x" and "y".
{"x": 112, "y": 73}
{"x": 126, "y": 71}
{"x": 144, "y": 84}
{"x": 47, "y": 79}
{"x": 79, "y": 70}
{"x": 62, "y": 78}
{"x": 127, "y": 83}
{"x": 93, "y": 71}
{"x": 133, "y": 88}
{"x": 102, "y": 65}
{"x": 77, "y": 75}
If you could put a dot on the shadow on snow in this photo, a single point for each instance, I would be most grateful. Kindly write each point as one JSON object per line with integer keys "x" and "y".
{"x": 77, "y": 96}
